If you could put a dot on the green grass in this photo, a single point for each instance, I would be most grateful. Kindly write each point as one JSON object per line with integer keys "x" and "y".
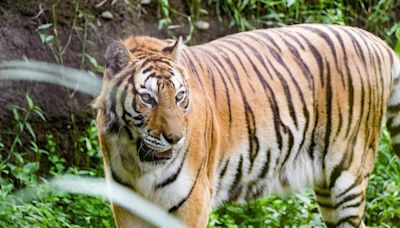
{"x": 380, "y": 17}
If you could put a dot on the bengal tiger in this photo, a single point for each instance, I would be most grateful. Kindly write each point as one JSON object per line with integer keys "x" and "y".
{"x": 257, "y": 112}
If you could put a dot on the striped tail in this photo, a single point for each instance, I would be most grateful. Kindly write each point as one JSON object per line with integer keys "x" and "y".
{"x": 393, "y": 111}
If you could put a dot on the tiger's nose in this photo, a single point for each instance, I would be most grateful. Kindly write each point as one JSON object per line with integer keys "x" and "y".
{"x": 173, "y": 138}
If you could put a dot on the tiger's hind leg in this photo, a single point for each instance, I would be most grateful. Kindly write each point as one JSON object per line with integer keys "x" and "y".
{"x": 342, "y": 193}
{"x": 343, "y": 204}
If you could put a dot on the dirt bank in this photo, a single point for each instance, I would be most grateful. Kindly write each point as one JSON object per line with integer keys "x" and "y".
{"x": 19, "y": 39}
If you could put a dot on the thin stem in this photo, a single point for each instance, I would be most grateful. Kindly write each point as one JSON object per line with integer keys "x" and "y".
{"x": 17, "y": 136}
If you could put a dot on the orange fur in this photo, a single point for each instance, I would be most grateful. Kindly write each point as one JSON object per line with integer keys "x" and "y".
{"x": 270, "y": 110}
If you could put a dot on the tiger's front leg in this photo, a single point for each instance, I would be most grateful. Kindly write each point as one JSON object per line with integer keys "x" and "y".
{"x": 194, "y": 212}
{"x": 125, "y": 219}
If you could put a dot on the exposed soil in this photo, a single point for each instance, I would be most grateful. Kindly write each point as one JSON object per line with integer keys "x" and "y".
{"x": 20, "y": 40}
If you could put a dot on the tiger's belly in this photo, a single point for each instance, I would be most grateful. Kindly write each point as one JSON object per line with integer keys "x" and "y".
{"x": 240, "y": 179}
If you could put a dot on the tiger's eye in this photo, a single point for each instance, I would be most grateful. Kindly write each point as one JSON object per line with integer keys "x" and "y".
{"x": 179, "y": 96}
{"x": 145, "y": 97}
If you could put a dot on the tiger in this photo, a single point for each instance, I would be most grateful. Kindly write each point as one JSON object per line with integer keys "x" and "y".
{"x": 253, "y": 113}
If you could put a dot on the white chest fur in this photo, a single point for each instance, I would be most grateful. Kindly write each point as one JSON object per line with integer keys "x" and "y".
{"x": 164, "y": 184}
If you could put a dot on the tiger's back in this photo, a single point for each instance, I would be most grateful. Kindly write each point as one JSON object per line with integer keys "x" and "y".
{"x": 254, "y": 113}
{"x": 296, "y": 106}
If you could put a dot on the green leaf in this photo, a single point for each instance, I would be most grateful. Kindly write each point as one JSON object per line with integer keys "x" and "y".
{"x": 48, "y": 39}
{"x": 397, "y": 47}
{"x": 31, "y": 167}
{"x": 16, "y": 115}
{"x": 30, "y": 102}
{"x": 39, "y": 112}
{"x": 44, "y": 26}
{"x": 29, "y": 127}
{"x": 91, "y": 59}
{"x": 42, "y": 37}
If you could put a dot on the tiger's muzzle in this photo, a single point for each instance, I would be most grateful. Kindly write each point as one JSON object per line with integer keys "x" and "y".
{"x": 148, "y": 152}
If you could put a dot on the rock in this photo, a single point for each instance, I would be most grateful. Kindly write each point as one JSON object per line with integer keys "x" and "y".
{"x": 107, "y": 15}
{"x": 145, "y": 2}
{"x": 202, "y": 25}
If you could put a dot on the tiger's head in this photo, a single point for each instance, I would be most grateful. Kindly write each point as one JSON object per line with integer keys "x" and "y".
{"x": 145, "y": 98}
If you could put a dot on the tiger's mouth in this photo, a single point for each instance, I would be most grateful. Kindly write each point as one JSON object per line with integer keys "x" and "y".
{"x": 147, "y": 154}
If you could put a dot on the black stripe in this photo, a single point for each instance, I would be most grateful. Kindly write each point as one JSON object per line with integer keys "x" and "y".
{"x": 348, "y": 219}
{"x": 390, "y": 121}
{"x": 349, "y": 78}
{"x": 212, "y": 82}
{"x": 249, "y": 114}
{"x": 331, "y": 45}
{"x": 190, "y": 65}
{"x": 272, "y": 102}
{"x": 325, "y": 205}
{"x": 356, "y": 182}
{"x": 227, "y": 93}
{"x": 348, "y": 198}
{"x": 342, "y": 166}
{"x": 372, "y": 96}
{"x": 218, "y": 65}
{"x": 330, "y": 224}
{"x": 283, "y": 81}
{"x": 289, "y": 34}
{"x": 284, "y": 84}
{"x": 354, "y": 205}
{"x": 223, "y": 171}
{"x": 180, "y": 203}
{"x": 310, "y": 78}
{"x": 170, "y": 48}
{"x": 173, "y": 177}
{"x": 302, "y": 65}
{"x": 147, "y": 69}
{"x": 119, "y": 181}
{"x": 238, "y": 175}
{"x": 250, "y": 118}
{"x": 266, "y": 166}
{"x": 328, "y": 107}
{"x": 238, "y": 58}
{"x": 317, "y": 56}
{"x": 112, "y": 122}
{"x": 394, "y": 108}
{"x": 222, "y": 174}
{"x": 269, "y": 38}
{"x": 128, "y": 131}
{"x": 345, "y": 200}
{"x": 322, "y": 194}
{"x": 356, "y": 45}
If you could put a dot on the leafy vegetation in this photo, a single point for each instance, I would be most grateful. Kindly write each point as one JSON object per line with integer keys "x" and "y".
{"x": 380, "y": 17}
{"x": 28, "y": 166}
{"x": 19, "y": 171}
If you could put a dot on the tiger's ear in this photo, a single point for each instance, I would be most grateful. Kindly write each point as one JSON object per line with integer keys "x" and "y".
{"x": 173, "y": 51}
{"x": 117, "y": 57}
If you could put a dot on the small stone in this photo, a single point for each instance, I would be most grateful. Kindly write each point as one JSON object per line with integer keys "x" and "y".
{"x": 202, "y": 25}
{"x": 145, "y": 2}
{"x": 107, "y": 15}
